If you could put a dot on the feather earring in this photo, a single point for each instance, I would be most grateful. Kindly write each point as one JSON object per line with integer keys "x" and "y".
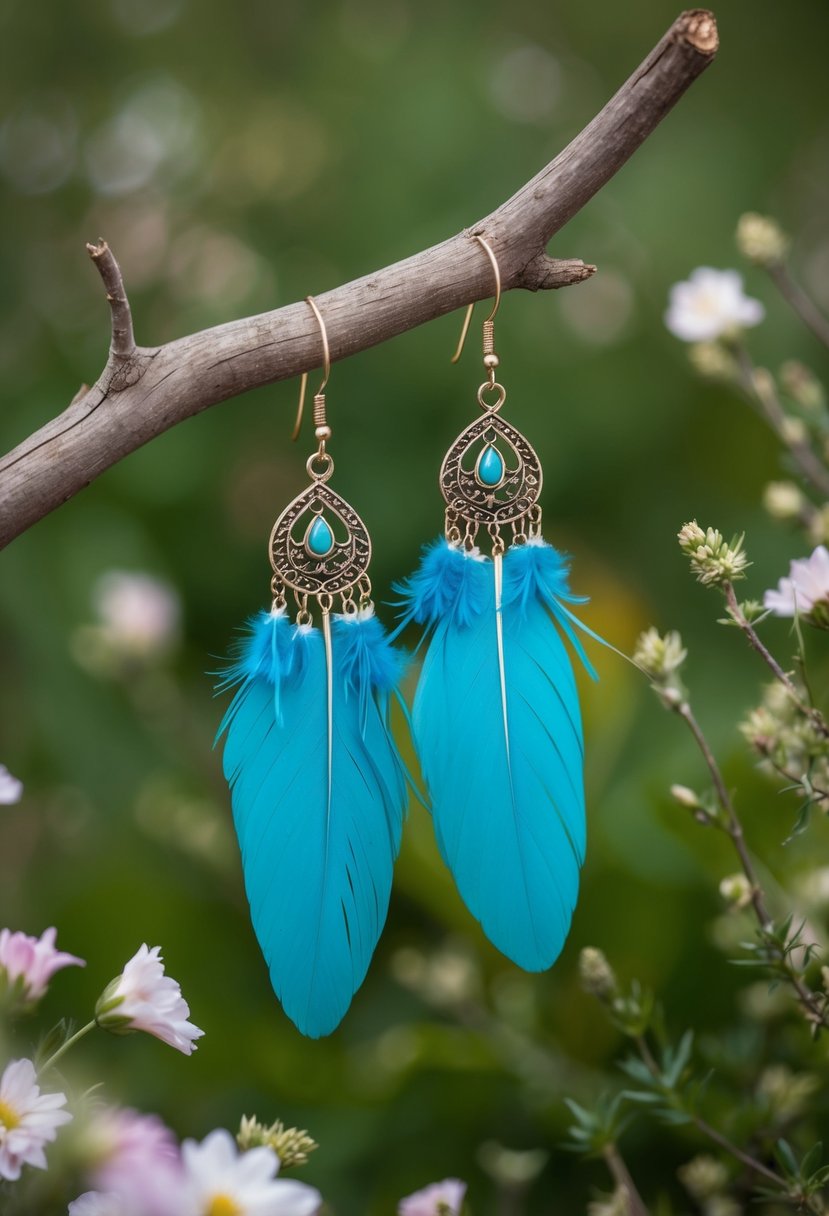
{"x": 496, "y": 714}
{"x": 318, "y": 786}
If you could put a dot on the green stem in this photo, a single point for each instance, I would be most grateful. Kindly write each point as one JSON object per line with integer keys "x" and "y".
{"x": 64, "y": 1047}
{"x": 801, "y": 303}
{"x": 740, "y": 619}
{"x": 761, "y": 392}
{"x": 809, "y": 1001}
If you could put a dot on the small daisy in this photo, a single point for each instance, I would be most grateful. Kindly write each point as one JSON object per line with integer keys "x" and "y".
{"x": 29, "y": 1120}
{"x": 142, "y": 997}
{"x": 225, "y": 1182}
{"x": 709, "y": 305}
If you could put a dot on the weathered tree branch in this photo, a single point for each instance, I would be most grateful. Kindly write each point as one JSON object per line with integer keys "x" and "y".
{"x": 143, "y": 391}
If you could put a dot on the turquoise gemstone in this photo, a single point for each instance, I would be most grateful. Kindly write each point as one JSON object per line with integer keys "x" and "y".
{"x": 319, "y": 539}
{"x": 490, "y": 467}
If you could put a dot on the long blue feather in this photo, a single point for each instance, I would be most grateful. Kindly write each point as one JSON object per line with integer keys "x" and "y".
{"x": 498, "y": 730}
{"x": 318, "y": 803}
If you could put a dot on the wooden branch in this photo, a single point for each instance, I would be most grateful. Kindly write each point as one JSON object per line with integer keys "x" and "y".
{"x": 122, "y": 345}
{"x": 143, "y": 391}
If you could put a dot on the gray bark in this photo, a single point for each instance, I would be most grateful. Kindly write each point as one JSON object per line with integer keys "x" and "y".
{"x": 143, "y": 391}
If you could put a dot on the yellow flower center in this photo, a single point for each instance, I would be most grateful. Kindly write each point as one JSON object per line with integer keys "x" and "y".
{"x": 9, "y": 1118}
{"x": 223, "y": 1205}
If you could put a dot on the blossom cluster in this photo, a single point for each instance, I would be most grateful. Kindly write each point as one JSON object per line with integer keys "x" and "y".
{"x": 132, "y": 1162}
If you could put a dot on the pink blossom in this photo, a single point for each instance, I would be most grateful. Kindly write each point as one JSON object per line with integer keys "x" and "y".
{"x": 32, "y": 961}
{"x": 440, "y": 1199}
{"x": 139, "y": 613}
{"x": 29, "y": 1120}
{"x": 11, "y": 790}
{"x": 134, "y": 1156}
{"x": 142, "y": 997}
{"x": 806, "y": 588}
{"x": 96, "y": 1203}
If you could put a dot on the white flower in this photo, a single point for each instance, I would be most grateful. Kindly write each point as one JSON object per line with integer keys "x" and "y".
{"x": 139, "y": 614}
{"x": 32, "y": 961}
{"x": 440, "y": 1199}
{"x": 11, "y": 790}
{"x": 806, "y": 588}
{"x": 224, "y": 1182}
{"x": 28, "y": 1119}
{"x": 142, "y": 997}
{"x": 710, "y": 304}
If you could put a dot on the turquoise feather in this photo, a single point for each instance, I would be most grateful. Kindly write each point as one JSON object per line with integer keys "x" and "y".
{"x": 318, "y": 804}
{"x": 498, "y": 731}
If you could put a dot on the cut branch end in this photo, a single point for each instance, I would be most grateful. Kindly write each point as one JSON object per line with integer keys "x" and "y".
{"x": 698, "y": 27}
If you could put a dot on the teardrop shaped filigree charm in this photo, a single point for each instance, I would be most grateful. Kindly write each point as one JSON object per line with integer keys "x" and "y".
{"x": 491, "y": 475}
{"x": 319, "y": 544}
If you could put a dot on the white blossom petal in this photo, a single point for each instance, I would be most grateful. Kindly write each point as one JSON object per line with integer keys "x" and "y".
{"x": 709, "y": 304}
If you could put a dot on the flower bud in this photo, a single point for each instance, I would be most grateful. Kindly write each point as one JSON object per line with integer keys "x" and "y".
{"x": 703, "y": 1176}
{"x": 291, "y": 1144}
{"x": 783, "y": 499}
{"x": 761, "y": 239}
{"x": 685, "y": 797}
{"x": 793, "y": 431}
{"x": 659, "y": 656}
{"x": 712, "y": 360}
{"x": 736, "y": 890}
{"x": 802, "y": 385}
{"x": 714, "y": 560}
{"x": 596, "y": 974}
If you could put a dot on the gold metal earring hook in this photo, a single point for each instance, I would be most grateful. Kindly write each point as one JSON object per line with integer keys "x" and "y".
{"x": 319, "y": 397}
{"x": 488, "y": 327}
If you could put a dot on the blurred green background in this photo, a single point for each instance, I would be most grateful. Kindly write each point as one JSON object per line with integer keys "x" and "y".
{"x": 238, "y": 157}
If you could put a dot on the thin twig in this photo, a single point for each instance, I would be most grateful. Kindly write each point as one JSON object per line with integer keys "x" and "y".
{"x": 122, "y": 345}
{"x": 801, "y": 303}
{"x": 703, "y": 1126}
{"x": 738, "y": 616}
{"x": 808, "y": 1000}
{"x": 621, "y": 1176}
{"x": 759, "y": 387}
{"x": 733, "y": 825}
{"x": 160, "y": 387}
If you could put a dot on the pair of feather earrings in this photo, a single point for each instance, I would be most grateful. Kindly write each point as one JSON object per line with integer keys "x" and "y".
{"x": 319, "y": 789}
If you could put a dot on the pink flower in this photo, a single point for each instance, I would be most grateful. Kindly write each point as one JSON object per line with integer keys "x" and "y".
{"x": 806, "y": 591}
{"x": 440, "y": 1199}
{"x": 223, "y": 1179}
{"x": 28, "y": 1119}
{"x": 32, "y": 962}
{"x": 11, "y": 790}
{"x": 139, "y": 613}
{"x": 136, "y": 1157}
{"x": 142, "y": 997}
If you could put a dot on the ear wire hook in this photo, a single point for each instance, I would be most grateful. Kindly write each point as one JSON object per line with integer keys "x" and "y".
{"x": 322, "y": 429}
{"x": 489, "y": 342}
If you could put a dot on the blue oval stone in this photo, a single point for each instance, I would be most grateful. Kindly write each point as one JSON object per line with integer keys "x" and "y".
{"x": 319, "y": 539}
{"x": 490, "y": 467}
